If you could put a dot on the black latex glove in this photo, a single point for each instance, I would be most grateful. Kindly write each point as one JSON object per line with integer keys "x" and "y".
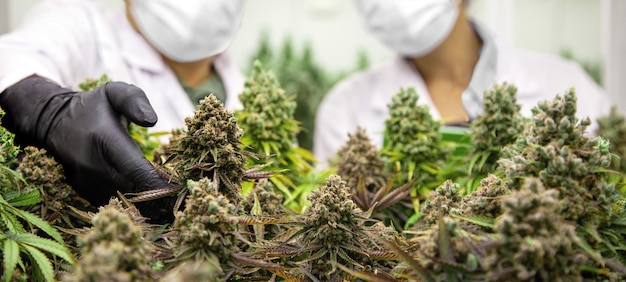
{"x": 87, "y": 134}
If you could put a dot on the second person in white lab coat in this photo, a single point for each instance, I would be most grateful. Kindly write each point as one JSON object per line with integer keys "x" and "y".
{"x": 168, "y": 54}
{"x": 450, "y": 60}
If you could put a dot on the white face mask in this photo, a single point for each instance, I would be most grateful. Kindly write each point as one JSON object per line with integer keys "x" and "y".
{"x": 409, "y": 27}
{"x": 188, "y": 30}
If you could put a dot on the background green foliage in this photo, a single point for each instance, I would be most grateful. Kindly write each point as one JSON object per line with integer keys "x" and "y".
{"x": 301, "y": 75}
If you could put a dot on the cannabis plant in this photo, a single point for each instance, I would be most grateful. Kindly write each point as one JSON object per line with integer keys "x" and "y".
{"x": 263, "y": 200}
{"x": 210, "y": 147}
{"x": 123, "y": 205}
{"x": 498, "y": 126}
{"x": 485, "y": 202}
{"x": 445, "y": 252}
{"x": 300, "y": 76}
{"x": 332, "y": 232}
{"x": 22, "y": 247}
{"x": 267, "y": 119}
{"x": 556, "y": 150}
{"x": 362, "y": 166}
{"x": 42, "y": 172}
{"x": 613, "y": 129}
{"x": 412, "y": 140}
{"x": 445, "y": 199}
{"x": 267, "y": 115}
{"x": 209, "y": 230}
{"x": 360, "y": 160}
{"x": 9, "y": 179}
{"x": 535, "y": 242}
{"x": 113, "y": 250}
{"x": 205, "y": 229}
{"x": 24, "y": 253}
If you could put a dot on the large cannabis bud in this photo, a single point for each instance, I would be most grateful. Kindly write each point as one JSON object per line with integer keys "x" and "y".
{"x": 486, "y": 200}
{"x": 113, "y": 250}
{"x": 205, "y": 229}
{"x": 412, "y": 137}
{"x": 445, "y": 252}
{"x": 265, "y": 203}
{"x": 211, "y": 147}
{"x": 267, "y": 115}
{"x": 360, "y": 160}
{"x": 361, "y": 165}
{"x": 331, "y": 207}
{"x": 445, "y": 199}
{"x": 8, "y": 150}
{"x": 42, "y": 172}
{"x": 498, "y": 126}
{"x": 334, "y": 231}
{"x": 264, "y": 197}
{"x": 613, "y": 128}
{"x": 556, "y": 150}
{"x": 270, "y": 129}
{"x": 8, "y": 157}
{"x": 535, "y": 242}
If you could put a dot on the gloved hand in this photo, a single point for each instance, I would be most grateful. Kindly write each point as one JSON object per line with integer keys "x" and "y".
{"x": 87, "y": 134}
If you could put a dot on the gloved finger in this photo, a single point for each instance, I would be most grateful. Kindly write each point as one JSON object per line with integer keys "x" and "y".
{"x": 131, "y": 102}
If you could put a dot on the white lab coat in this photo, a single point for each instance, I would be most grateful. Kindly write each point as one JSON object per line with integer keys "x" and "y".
{"x": 362, "y": 98}
{"x": 68, "y": 41}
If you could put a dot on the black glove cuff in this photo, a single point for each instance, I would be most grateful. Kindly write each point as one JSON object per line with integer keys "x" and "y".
{"x": 30, "y": 107}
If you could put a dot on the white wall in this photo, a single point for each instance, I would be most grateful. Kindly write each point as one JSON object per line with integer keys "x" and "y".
{"x": 4, "y": 16}
{"x": 614, "y": 47}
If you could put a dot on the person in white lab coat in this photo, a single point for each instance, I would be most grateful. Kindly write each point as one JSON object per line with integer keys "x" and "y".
{"x": 169, "y": 54}
{"x": 450, "y": 60}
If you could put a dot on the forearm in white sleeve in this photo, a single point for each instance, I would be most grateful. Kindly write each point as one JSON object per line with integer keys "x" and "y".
{"x": 56, "y": 40}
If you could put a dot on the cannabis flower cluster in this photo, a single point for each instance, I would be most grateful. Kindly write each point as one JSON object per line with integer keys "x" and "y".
{"x": 360, "y": 160}
{"x": 486, "y": 201}
{"x": 613, "y": 128}
{"x": 412, "y": 136}
{"x": 445, "y": 199}
{"x": 205, "y": 229}
{"x": 268, "y": 112}
{"x": 536, "y": 242}
{"x": 556, "y": 150}
{"x": 498, "y": 126}
{"x": 113, "y": 250}
{"x": 210, "y": 147}
{"x": 44, "y": 173}
{"x": 334, "y": 231}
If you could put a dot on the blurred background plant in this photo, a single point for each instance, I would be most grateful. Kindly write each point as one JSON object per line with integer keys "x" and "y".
{"x": 593, "y": 68}
{"x": 299, "y": 74}
{"x": 271, "y": 129}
